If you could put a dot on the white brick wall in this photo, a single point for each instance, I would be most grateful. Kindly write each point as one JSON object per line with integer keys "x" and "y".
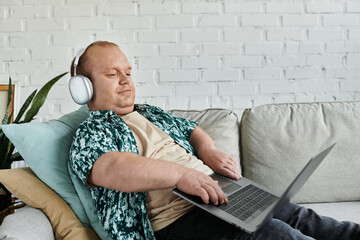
{"x": 191, "y": 54}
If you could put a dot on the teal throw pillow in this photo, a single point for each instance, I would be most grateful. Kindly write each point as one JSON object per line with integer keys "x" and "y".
{"x": 45, "y": 148}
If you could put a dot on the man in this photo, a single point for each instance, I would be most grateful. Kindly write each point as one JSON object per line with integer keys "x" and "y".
{"x": 124, "y": 150}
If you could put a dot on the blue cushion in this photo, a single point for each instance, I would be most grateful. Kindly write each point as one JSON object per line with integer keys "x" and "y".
{"x": 45, "y": 148}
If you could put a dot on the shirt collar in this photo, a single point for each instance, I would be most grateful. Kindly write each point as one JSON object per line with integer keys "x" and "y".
{"x": 102, "y": 114}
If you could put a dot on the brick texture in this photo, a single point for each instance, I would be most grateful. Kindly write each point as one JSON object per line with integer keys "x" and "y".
{"x": 190, "y": 54}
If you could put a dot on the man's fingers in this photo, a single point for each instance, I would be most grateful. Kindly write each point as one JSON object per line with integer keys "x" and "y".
{"x": 221, "y": 195}
{"x": 233, "y": 167}
{"x": 230, "y": 170}
{"x": 213, "y": 196}
{"x": 208, "y": 194}
{"x": 229, "y": 173}
{"x": 199, "y": 184}
{"x": 204, "y": 195}
{"x": 232, "y": 162}
{"x": 232, "y": 159}
{"x": 211, "y": 192}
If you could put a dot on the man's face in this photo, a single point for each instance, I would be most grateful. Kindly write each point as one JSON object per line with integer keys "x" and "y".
{"x": 110, "y": 73}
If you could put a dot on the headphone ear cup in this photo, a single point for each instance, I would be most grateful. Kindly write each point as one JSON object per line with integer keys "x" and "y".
{"x": 81, "y": 89}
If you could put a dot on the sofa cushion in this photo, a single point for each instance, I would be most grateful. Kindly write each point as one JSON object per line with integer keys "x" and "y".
{"x": 220, "y": 124}
{"x": 24, "y": 184}
{"x": 277, "y": 140}
{"x": 21, "y": 226}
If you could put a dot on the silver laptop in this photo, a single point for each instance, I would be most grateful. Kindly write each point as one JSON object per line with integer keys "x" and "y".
{"x": 251, "y": 205}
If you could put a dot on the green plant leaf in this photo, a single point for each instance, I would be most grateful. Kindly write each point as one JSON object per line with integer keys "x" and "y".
{"x": 36, "y": 100}
{"x": 9, "y": 92}
{"x": 25, "y": 106}
{"x": 4, "y": 149}
{"x": 9, "y": 118}
{"x": 9, "y": 154}
{"x": 40, "y": 98}
{"x": 5, "y": 119}
{"x": 16, "y": 157}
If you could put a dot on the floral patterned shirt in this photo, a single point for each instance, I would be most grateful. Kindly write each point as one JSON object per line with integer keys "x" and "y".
{"x": 122, "y": 214}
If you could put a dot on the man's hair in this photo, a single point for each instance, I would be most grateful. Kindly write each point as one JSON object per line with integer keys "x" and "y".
{"x": 80, "y": 68}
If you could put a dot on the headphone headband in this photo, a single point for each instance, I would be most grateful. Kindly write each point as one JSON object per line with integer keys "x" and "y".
{"x": 77, "y": 58}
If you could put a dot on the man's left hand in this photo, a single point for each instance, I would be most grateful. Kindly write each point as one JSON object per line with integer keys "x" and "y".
{"x": 221, "y": 163}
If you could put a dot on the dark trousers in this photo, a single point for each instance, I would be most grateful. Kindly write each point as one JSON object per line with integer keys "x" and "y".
{"x": 293, "y": 222}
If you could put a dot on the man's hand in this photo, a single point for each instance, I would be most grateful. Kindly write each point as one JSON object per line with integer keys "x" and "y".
{"x": 221, "y": 163}
{"x": 199, "y": 184}
{"x": 217, "y": 160}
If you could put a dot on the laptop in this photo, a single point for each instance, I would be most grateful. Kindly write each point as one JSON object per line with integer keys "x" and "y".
{"x": 250, "y": 204}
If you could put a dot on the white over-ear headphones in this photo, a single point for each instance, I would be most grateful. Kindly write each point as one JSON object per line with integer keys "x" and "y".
{"x": 81, "y": 88}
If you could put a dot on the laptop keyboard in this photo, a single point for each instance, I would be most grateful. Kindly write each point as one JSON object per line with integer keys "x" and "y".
{"x": 248, "y": 202}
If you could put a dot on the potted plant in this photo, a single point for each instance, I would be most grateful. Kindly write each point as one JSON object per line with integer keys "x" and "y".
{"x": 7, "y": 155}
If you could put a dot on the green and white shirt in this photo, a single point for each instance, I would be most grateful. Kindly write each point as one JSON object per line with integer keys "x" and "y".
{"x": 123, "y": 215}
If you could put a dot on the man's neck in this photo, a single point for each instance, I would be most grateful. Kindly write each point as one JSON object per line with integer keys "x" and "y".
{"x": 120, "y": 111}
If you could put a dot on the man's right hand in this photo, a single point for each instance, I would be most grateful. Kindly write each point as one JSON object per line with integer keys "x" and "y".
{"x": 199, "y": 184}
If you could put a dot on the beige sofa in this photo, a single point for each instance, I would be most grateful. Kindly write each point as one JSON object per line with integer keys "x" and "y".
{"x": 272, "y": 143}
{"x": 277, "y": 140}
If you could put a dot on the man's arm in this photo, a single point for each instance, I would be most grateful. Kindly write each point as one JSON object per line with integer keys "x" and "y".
{"x": 129, "y": 172}
{"x": 217, "y": 160}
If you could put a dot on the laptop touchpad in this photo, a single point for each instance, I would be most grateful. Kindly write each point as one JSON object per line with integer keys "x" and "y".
{"x": 227, "y": 186}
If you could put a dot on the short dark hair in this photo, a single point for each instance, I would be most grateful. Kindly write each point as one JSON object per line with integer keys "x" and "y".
{"x": 80, "y": 68}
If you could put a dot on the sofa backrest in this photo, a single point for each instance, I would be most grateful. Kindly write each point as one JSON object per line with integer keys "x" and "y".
{"x": 220, "y": 124}
{"x": 277, "y": 140}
